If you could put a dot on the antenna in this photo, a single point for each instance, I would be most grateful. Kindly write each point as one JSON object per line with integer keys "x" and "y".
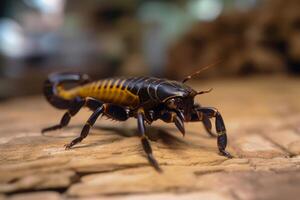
{"x": 201, "y": 70}
{"x": 205, "y": 91}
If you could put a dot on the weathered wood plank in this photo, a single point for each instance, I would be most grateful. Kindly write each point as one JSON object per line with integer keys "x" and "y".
{"x": 263, "y": 130}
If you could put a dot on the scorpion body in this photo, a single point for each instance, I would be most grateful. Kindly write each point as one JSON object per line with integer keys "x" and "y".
{"x": 145, "y": 98}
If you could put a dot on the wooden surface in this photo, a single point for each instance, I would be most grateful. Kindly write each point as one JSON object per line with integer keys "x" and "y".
{"x": 262, "y": 116}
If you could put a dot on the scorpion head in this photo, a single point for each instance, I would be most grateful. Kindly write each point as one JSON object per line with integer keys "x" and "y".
{"x": 178, "y": 97}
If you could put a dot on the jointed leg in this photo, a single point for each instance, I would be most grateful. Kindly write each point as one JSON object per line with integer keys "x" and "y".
{"x": 145, "y": 142}
{"x": 76, "y": 105}
{"x": 86, "y": 129}
{"x": 220, "y": 128}
{"x": 207, "y": 125}
{"x": 197, "y": 116}
{"x": 222, "y": 136}
{"x": 112, "y": 111}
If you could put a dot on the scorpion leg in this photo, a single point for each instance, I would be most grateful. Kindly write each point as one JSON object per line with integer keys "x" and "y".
{"x": 76, "y": 105}
{"x": 145, "y": 142}
{"x": 220, "y": 128}
{"x": 86, "y": 129}
{"x": 112, "y": 111}
{"x": 200, "y": 116}
{"x": 207, "y": 125}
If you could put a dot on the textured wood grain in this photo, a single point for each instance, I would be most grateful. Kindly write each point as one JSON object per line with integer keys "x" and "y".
{"x": 262, "y": 116}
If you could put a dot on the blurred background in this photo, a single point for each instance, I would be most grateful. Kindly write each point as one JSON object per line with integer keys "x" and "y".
{"x": 170, "y": 38}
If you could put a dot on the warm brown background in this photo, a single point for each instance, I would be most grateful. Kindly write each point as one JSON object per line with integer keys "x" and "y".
{"x": 255, "y": 87}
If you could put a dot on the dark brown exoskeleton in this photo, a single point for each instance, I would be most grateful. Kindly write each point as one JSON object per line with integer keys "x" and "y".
{"x": 145, "y": 98}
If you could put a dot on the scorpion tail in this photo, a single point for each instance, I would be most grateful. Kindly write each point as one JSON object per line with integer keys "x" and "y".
{"x": 57, "y": 80}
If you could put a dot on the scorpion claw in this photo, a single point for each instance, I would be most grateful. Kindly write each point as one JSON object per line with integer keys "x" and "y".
{"x": 179, "y": 124}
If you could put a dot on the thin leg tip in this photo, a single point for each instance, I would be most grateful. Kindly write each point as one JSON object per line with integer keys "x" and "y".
{"x": 67, "y": 146}
{"x": 226, "y": 154}
{"x": 52, "y": 128}
{"x": 159, "y": 170}
{"x": 229, "y": 156}
{"x": 154, "y": 163}
{"x": 43, "y": 130}
{"x": 157, "y": 167}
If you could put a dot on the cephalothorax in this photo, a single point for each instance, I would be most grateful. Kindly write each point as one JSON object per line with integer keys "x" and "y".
{"x": 145, "y": 98}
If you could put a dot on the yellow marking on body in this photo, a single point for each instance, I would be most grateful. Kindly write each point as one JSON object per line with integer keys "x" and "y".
{"x": 112, "y": 90}
{"x": 106, "y": 94}
{"x": 127, "y": 97}
{"x": 96, "y": 90}
{"x": 122, "y": 96}
{"x": 122, "y": 83}
{"x": 84, "y": 91}
{"x": 101, "y": 91}
{"x": 119, "y": 92}
{"x": 116, "y": 91}
{"x": 66, "y": 94}
{"x": 92, "y": 87}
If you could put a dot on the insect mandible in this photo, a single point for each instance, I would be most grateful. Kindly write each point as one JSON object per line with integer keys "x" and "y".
{"x": 145, "y": 98}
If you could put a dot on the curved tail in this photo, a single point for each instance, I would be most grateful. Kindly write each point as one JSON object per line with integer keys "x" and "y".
{"x": 57, "y": 80}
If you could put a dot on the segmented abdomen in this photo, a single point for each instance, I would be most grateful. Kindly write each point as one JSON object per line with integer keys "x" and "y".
{"x": 107, "y": 90}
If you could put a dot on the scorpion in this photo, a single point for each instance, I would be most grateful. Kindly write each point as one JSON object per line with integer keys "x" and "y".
{"x": 145, "y": 98}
